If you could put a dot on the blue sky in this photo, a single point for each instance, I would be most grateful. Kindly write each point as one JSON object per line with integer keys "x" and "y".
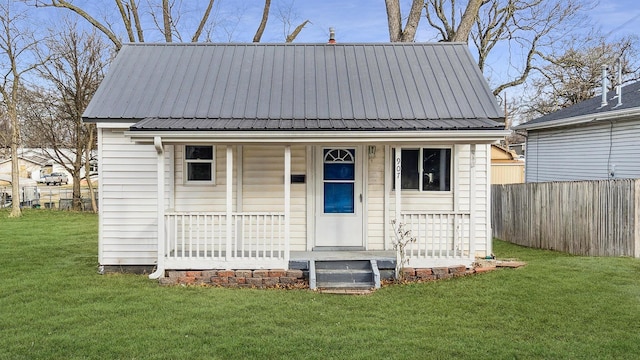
{"x": 353, "y": 20}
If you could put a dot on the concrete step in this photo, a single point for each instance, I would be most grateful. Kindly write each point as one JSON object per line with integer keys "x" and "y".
{"x": 344, "y": 274}
{"x": 344, "y": 264}
{"x": 344, "y": 286}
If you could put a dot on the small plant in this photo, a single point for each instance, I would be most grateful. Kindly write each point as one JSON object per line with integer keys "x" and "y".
{"x": 402, "y": 238}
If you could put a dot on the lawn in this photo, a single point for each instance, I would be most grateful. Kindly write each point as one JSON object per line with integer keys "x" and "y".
{"x": 54, "y": 305}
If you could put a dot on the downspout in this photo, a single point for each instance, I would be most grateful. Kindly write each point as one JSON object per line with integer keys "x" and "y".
{"x": 157, "y": 143}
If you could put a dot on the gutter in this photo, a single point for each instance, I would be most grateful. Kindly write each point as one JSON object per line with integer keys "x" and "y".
{"x": 576, "y": 120}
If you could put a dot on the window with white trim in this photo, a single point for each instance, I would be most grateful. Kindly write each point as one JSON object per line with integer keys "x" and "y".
{"x": 199, "y": 163}
{"x": 425, "y": 169}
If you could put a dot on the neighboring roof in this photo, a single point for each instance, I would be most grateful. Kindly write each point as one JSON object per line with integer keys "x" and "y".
{"x": 37, "y": 160}
{"x": 208, "y": 86}
{"x": 591, "y": 109}
{"x": 499, "y": 152}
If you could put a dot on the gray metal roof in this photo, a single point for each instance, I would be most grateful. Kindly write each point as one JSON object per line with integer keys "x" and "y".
{"x": 312, "y": 124}
{"x": 593, "y": 106}
{"x": 296, "y": 86}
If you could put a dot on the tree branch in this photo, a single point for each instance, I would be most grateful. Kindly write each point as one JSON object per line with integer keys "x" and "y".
{"x": 263, "y": 21}
{"x": 203, "y": 21}
{"x": 296, "y": 31}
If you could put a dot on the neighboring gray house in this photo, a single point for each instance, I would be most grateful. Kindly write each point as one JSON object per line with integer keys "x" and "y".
{"x": 246, "y": 156}
{"x": 587, "y": 141}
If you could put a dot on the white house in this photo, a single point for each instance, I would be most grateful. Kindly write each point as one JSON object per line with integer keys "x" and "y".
{"x": 35, "y": 163}
{"x": 596, "y": 139}
{"x": 247, "y": 156}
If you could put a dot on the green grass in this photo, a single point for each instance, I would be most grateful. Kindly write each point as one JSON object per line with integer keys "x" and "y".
{"x": 54, "y": 305}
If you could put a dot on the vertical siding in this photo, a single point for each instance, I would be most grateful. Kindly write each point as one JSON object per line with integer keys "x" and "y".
{"x": 460, "y": 192}
{"x": 507, "y": 173}
{"x": 263, "y": 186}
{"x": 587, "y": 152}
{"x": 375, "y": 200}
{"x": 128, "y": 201}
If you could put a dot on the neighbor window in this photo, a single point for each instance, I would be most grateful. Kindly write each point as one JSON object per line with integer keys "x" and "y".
{"x": 199, "y": 164}
{"x": 425, "y": 169}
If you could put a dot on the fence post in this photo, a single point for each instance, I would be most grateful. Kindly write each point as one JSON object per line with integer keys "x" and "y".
{"x": 636, "y": 223}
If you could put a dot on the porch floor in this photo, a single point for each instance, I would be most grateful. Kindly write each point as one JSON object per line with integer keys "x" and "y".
{"x": 342, "y": 255}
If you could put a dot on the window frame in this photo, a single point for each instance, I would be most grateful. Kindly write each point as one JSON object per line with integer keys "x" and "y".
{"x": 421, "y": 168}
{"x": 186, "y": 163}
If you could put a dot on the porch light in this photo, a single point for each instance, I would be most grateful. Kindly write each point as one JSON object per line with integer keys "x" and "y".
{"x": 372, "y": 151}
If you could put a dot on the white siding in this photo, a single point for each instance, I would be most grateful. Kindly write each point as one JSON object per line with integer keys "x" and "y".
{"x": 263, "y": 186}
{"x": 588, "y": 152}
{"x": 440, "y": 201}
{"x": 128, "y": 204}
{"x": 128, "y": 184}
{"x": 209, "y": 197}
{"x": 375, "y": 200}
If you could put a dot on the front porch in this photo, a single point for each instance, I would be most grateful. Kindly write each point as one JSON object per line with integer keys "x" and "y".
{"x": 241, "y": 237}
{"x": 257, "y": 241}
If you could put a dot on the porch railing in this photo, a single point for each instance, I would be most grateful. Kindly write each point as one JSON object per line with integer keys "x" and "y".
{"x": 441, "y": 238}
{"x": 200, "y": 240}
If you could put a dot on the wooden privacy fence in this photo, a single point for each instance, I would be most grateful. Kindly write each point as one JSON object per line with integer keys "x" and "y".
{"x": 593, "y": 218}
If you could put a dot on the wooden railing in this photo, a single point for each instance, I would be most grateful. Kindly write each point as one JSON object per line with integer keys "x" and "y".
{"x": 441, "y": 238}
{"x": 202, "y": 240}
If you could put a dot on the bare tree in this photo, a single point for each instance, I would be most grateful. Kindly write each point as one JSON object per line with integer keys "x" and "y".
{"x": 575, "y": 74}
{"x": 394, "y": 19}
{"x": 165, "y": 16}
{"x": 17, "y": 43}
{"x": 531, "y": 26}
{"x": 287, "y": 16}
{"x": 263, "y": 21}
{"x": 78, "y": 61}
{"x": 453, "y": 24}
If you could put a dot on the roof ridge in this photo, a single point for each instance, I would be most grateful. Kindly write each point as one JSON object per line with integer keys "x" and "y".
{"x": 231, "y": 44}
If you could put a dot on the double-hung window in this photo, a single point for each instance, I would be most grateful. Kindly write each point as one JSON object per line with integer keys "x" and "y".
{"x": 426, "y": 169}
{"x": 199, "y": 164}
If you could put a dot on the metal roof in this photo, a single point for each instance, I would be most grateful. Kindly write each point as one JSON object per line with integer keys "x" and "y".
{"x": 312, "y": 124}
{"x": 589, "y": 108}
{"x": 296, "y": 86}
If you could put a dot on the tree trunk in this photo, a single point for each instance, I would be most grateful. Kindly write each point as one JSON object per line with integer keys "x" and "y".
{"x": 15, "y": 166}
{"x": 87, "y": 166}
{"x": 263, "y": 21}
{"x": 394, "y": 19}
{"x": 467, "y": 21}
{"x": 166, "y": 20}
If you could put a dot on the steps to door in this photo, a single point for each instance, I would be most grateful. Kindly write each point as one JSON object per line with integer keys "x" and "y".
{"x": 344, "y": 275}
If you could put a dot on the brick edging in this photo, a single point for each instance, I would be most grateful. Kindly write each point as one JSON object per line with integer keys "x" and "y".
{"x": 280, "y": 278}
{"x": 272, "y": 278}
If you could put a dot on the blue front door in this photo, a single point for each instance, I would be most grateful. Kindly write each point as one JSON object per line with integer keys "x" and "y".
{"x": 339, "y": 198}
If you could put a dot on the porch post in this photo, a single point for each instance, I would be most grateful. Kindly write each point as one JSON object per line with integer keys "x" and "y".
{"x": 397, "y": 170}
{"x": 287, "y": 202}
{"x": 472, "y": 201}
{"x": 157, "y": 142}
{"x": 229, "y": 203}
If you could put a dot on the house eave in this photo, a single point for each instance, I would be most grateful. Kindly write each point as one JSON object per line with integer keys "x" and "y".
{"x": 577, "y": 120}
{"x": 319, "y": 137}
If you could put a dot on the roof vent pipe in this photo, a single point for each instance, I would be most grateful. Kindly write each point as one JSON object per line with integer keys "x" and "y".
{"x": 604, "y": 86}
{"x": 332, "y": 35}
{"x": 619, "y": 86}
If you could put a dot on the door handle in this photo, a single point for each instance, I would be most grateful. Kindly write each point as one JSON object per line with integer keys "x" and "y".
{"x": 360, "y": 197}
